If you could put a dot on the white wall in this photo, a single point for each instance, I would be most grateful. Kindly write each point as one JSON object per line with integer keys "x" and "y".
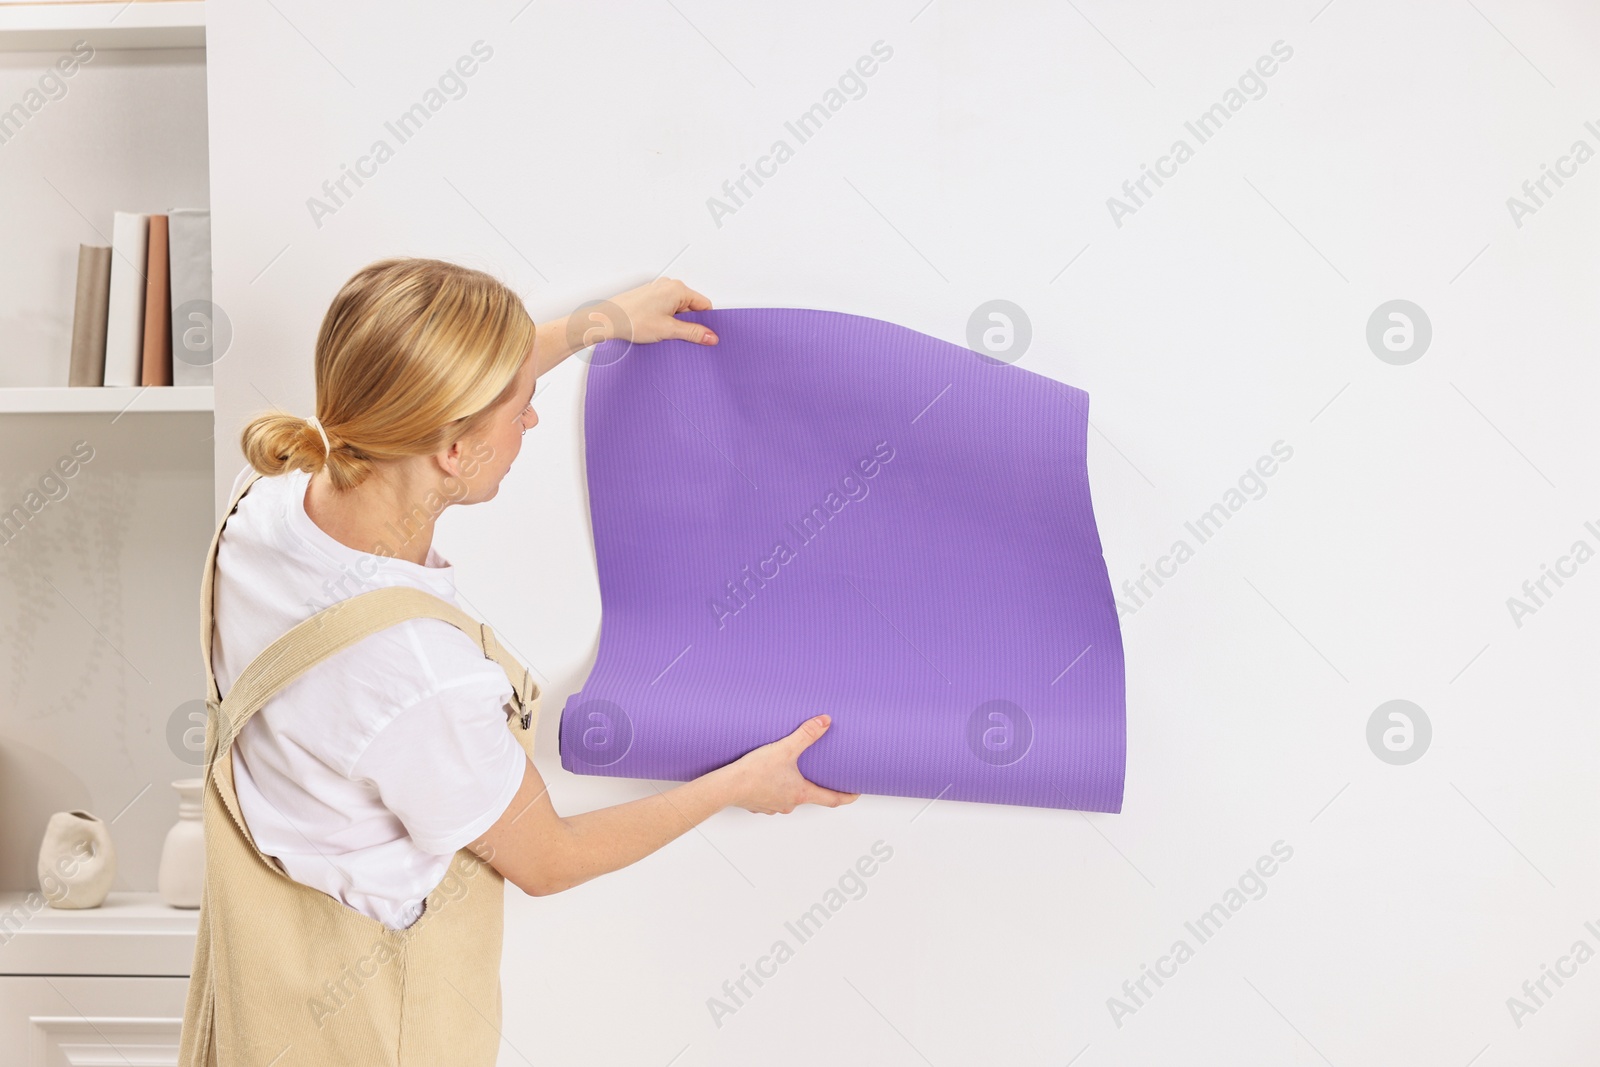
{"x": 1227, "y": 314}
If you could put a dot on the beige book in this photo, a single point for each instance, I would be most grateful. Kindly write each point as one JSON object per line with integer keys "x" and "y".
{"x": 88, "y": 363}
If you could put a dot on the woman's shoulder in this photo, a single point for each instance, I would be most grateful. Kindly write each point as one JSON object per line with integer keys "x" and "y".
{"x": 243, "y": 476}
{"x": 337, "y": 707}
{"x": 262, "y": 485}
{"x": 441, "y": 655}
{"x": 262, "y": 510}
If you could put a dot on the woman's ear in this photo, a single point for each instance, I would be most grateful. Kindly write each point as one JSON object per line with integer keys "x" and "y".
{"x": 451, "y": 458}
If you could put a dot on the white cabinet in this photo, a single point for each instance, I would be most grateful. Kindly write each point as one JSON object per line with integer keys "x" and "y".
{"x": 60, "y": 1021}
{"x": 96, "y": 987}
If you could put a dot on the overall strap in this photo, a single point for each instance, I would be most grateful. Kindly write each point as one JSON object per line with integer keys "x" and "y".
{"x": 331, "y": 630}
{"x": 336, "y": 628}
{"x": 208, "y": 594}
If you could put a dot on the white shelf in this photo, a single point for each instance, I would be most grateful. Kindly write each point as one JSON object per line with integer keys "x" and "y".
{"x": 145, "y": 24}
{"x": 130, "y": 934}
{"x": 48, "y": 400}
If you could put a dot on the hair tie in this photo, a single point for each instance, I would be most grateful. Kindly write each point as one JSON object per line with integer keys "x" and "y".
{"x": 327, "y": 448}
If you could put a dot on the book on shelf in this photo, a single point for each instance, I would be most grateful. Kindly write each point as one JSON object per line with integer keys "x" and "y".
{"x": 130, "y": 236}
{"x": 87, "y": 366}
{"x": 189, "y": 254}
{"x": 157, "y": 361}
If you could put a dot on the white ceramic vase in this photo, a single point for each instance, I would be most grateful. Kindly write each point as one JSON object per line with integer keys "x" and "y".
{"x": 76, "y": 861}
{"x": 183, "y": 857}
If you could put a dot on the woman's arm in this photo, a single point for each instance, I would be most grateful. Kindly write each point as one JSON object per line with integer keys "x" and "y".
{"x": 541, "y": 852}
{"x": 641, "y": 315}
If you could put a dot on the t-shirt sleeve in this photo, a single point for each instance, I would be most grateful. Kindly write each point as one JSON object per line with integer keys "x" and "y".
{"x": 447, "y": 766}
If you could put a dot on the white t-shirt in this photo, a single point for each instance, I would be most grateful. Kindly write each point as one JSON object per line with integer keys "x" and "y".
{"x": 364, "y": 775}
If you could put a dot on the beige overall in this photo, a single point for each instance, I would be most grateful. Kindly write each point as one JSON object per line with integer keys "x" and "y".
{"x": 285, "y": 975}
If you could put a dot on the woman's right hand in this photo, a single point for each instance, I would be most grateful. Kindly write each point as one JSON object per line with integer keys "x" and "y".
{"x": 768, "y": 779}
{"x": 541, "y": 852}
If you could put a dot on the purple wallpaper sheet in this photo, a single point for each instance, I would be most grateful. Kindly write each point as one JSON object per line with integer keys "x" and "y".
{"x": 829, "y": 513}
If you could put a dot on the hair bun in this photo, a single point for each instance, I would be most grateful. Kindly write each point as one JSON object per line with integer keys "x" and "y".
{"x": 278, "y": 442}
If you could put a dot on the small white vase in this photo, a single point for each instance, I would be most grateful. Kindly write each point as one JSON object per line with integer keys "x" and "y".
{"x": 183, "y": 857}
{"x": 76, "y": 861}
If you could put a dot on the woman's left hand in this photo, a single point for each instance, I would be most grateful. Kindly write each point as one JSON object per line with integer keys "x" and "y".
{"x": 648, "y": 314}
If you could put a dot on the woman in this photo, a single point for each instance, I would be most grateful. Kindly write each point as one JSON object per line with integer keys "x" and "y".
{"x": 369, "y": 784}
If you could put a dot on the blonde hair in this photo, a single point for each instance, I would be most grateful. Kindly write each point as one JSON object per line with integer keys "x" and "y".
{"x": 411, "y": 355}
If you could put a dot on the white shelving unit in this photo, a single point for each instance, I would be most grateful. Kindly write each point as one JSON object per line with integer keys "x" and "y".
{"x": 46, "y": 400}
{"x": 130, "y": 935}
{"x": 54, "y": 27}
{"x": 104, "y": 985}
